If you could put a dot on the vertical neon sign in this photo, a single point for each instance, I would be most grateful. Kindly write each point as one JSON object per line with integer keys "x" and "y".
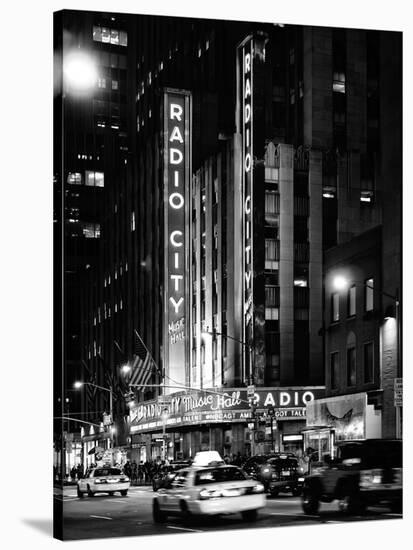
{"x": 247, "y": 184}
{"x": 177, "y": 118}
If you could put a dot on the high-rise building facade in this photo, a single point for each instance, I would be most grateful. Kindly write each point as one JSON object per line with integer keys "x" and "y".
{"x": 252, "y": 149}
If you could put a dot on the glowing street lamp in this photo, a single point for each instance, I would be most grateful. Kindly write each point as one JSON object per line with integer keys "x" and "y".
{"x": 79, "y": 71}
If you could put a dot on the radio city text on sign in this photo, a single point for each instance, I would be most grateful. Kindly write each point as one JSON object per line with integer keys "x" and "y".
{"x": 177, "y": 203}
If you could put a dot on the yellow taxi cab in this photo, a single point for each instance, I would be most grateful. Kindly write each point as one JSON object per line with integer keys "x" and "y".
{"x": 103, "y": 480}
{"x": 209, "y": 487}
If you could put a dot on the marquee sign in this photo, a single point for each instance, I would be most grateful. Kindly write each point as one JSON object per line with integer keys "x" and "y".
{"x": 177, "y": 151}
{"x": 230, "y": 406}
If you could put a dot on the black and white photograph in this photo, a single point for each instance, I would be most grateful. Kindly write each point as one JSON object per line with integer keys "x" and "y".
{"x": 227, "y": 246}
{"x": 228, "y": 301}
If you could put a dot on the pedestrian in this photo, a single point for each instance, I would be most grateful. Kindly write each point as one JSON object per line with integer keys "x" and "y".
{"x": 140, "y": 472}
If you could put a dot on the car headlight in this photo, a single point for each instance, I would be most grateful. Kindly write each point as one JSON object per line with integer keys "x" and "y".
{"x": 125, "y": 479}
{"x": 98, "y": 481}
{"x": 258, "y": 488}
{"x": 300, "y": 479}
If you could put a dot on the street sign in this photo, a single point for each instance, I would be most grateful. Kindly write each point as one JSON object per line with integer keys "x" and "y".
{"x": 398, "y": 392}
{"x": 107, "y": 420}
{"x": 250, "y": 390}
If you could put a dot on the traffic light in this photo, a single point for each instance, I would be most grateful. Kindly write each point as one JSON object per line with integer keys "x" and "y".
{"x": 271, "y": 410}
{"x": 253, "y": 408}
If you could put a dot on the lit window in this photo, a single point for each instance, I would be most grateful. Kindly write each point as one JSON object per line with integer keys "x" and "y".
{"x": 207, "y": 45}
{"x": 74, "y": 178}
{"x": 351, "y": 301}
{"x": 97, "y": 34}
{"x": 123, "y": 38}
{"x": 366, "y": 196}
{"x": 116, "y": 308}
{"x": 271, "y": 253}
{"x": 102, "y": 82}
{"x": 334, "y": 370}
{"x": 300, "y": 282}
{"x": 369, "y": 294}
{"x": 109, "y": 280}
{"x": 272, "y": 313}
{"x": 339, "y": 83}
{"x": 115, "y": 85}
{"x": 121, "y": 304}
{"x": 132, "y": 223}
{"x": 368, "y": 356}
{"x": 105, "y": 35}
{"x": 335, "y": 313}
{"x": 149, "y": 78}
{"x": 329, "y": 192}
{"x": 114, "y": 37}
{"x": 161, "y": 66}
{"x": 91, "y": 230}
{"x": 94, "y": 179}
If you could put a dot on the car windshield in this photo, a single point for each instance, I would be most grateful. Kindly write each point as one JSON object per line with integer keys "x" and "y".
{"x": 217, "y": 475}
{"x": 283, "y": 463}
{"x": 107, "y": 472}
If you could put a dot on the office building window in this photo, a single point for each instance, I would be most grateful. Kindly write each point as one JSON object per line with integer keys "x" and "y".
{"x": 351, "y": 301}
{"x": 369, "y": 294}
{"x": 272, "y": 208}
{"x": 339, "y": 82}
{"x": 91, "y": 230}
{"x": 94, "y": 179}
{"x": 368, "y": 358}
{"x": 335, "y": 311}
{"x": 110, "y": 36}
{"x": 272, "y": 250}
{"x": 351, "y": 366}
{"x": 271, "y": 313}
{"x": 334, "y": 369}
{"x": 74, "y": 178}
{"x": 132, "y": 222}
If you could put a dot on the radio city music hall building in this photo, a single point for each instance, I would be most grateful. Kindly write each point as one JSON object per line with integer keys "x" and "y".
{"x": 239, "y": 136}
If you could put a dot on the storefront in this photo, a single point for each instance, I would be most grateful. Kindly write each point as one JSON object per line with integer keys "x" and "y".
{"x": 340, "y": 418}
{"x": 210, "y": 420}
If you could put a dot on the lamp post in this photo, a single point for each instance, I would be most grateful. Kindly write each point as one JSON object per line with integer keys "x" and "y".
{"x": 78, "y": 385}
{"x": 165, "y": 416}
{"x": 341, "y": 283}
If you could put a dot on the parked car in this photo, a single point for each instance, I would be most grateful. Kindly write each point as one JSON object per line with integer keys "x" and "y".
{"x": 364, "y": 473}
{"x": 209, "y": 490}
{"x": 103, "y": 480}
{"x": 281, "y": 473}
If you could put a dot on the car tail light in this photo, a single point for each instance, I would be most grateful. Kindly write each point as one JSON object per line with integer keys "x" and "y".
{"x": 204, "y": 494}
{"x": 370, "y": 477}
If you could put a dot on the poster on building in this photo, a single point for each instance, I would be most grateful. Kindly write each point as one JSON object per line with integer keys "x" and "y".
{"x": 346, "y": 414}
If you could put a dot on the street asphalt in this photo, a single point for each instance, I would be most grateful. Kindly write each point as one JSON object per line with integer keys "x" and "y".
{"x": 106, "y": 516}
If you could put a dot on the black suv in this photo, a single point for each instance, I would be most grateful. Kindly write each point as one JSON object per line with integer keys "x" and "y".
{"x": 281, "y": 473}
{"x": 252, "y": 466}
{"x": 364, "y": 473}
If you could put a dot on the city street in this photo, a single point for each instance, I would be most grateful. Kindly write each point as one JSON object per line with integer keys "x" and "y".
{"x": 114, "y": 516}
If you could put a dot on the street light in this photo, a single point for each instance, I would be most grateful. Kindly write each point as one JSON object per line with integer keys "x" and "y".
{"x": 112, "y": 430}
{"x": 341, "y": 282}
{"x": 79, "y": 70}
